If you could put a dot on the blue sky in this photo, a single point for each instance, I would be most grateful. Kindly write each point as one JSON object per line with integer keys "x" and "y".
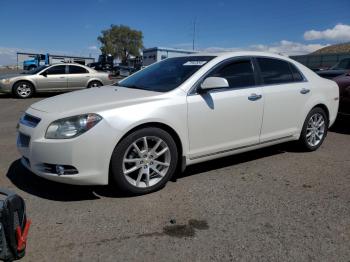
{"x": 72, "y": 26}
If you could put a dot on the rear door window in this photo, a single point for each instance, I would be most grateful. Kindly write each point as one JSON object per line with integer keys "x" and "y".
{"x": 77, "y": 70}
{"x": 275, "y": 71}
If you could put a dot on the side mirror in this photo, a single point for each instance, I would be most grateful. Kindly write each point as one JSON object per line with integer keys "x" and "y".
{"x": 214, "y": 83}
{"x": 44, "y": 73}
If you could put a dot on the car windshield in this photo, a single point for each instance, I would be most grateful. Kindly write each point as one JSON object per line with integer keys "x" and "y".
{"x": 166, "y": 75}
{"x": 36, "y": 70}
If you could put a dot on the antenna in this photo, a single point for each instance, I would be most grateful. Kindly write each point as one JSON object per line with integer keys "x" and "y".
{"x": 194, "y": 32}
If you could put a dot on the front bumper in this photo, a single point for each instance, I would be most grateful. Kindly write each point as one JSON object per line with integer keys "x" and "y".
{"x": 89, "y": 153}
{"x": 4, "y": 88}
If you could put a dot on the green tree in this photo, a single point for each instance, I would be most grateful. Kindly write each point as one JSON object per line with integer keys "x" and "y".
{"x": 121, "y": 41}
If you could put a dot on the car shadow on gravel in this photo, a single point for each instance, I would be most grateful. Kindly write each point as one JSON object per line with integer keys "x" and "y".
{"x": 40, "y": 187}
{"x": 237, "y": 159}
{"x": 26, "y": 181}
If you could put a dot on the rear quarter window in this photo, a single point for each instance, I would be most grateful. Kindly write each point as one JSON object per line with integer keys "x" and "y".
{"x": 297, "y": 76}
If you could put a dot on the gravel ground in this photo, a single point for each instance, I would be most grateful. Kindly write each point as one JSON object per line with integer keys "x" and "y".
{"x": 274, "y": 204}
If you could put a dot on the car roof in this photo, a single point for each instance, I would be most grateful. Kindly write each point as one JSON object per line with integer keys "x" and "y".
{"x": 74, "y": 64}
{"x": 66, "y": 64}
{"x": 238, "y": 53}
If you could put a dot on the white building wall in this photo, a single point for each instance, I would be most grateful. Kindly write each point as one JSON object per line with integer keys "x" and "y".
{"x": 153, "y": 55}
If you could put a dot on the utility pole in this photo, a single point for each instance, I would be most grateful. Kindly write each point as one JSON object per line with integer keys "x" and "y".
{"x": 194, "y": 32}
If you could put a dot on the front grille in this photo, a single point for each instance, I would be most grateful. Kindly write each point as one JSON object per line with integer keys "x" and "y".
{"x": 23, "y": 140}
{"x": 29, "y": 120}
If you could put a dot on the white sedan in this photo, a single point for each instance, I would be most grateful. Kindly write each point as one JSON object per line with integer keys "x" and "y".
{"x": 175, "y": 113}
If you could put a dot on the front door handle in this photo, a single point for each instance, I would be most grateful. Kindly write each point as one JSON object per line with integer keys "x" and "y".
{"x": 304, "y": 91}
{"x": 254, "y": 97}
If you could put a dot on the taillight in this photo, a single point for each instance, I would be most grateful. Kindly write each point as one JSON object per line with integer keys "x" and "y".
{"x": 110, "y": 76}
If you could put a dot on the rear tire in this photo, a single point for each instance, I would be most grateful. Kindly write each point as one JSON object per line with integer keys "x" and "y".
{"x": 23, "y": 89}
{"x": 144, "y": 161}
{"x": 314, "y": 130}
{"x": 94, "y": 84}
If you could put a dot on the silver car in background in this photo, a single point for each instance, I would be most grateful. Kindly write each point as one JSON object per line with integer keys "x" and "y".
{"x": 53, "y": 78}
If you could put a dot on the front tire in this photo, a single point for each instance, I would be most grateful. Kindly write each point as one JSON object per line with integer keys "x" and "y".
{"x": 314, "y": 130}
{"x": 144, "y": 161}
{"x": 23, "y": 89}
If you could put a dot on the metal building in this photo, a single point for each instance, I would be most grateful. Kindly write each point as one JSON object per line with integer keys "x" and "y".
{"x": 318, "y": 61}
{"x": 155, "y": 54}
{"x": 21, "y": 57}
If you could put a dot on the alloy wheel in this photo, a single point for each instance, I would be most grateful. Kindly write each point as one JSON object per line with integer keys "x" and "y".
{"x": 315, "y": 129}
{"x": 24, "y": 90}
{"x": 95, "y": 84}
{"x": 146, "y": 161}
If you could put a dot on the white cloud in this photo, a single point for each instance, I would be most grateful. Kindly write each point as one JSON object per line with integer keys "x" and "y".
{"x": 289, "y": 48}
{"x": 92, "y": 47}
{"x": 339, "y": 33}
{"x": 283, "y": 47}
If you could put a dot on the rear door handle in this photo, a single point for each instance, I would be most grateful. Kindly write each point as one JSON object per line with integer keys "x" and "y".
{"x": 304, "y": 91}
{"x": 254, "y": 97}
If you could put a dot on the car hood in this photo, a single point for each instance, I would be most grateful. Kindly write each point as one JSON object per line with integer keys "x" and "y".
{"x": 94, "y": 99}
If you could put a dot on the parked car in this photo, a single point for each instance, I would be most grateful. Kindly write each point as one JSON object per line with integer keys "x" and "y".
{"x": 174, "y": 113}
{"x": 342, "y": 67}
{"x": 343, "y": 82}
{"x": 49, "y": 78}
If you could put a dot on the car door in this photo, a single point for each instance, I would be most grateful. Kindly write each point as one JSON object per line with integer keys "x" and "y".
{"x": 52, "y": 79}
{"x": 226, "y": 119}
{"x": 78, "y": 77}
{"x": 286, "y": 93}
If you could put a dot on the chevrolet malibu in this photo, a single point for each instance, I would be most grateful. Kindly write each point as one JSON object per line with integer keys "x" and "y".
{"x": 52, "y": 78}
{"x": 178, "y": 112}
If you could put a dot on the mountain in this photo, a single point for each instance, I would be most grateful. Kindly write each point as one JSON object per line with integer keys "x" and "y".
{"x": 334, "y": 49}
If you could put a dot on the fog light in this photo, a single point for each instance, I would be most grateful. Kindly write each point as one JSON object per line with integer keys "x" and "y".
{"x": 59, "y": 170}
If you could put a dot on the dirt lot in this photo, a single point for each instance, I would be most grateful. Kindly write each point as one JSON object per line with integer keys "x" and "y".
{"x": 275, "y": 204}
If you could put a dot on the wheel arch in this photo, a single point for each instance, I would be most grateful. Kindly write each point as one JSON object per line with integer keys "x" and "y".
{"x": 165, "y": 127}
{"x": 23, "y": 80}
{"x": 323, "y": 107}
{"x": 94, "y": 80}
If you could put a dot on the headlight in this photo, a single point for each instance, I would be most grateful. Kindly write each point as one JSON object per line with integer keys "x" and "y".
{"x": 6, "y": 81}
{"x": 71, "y": 126}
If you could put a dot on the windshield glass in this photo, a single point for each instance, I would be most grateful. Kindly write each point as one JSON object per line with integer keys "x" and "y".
{"x": 36, "y": 70}
{"x": 166, "y": 75}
